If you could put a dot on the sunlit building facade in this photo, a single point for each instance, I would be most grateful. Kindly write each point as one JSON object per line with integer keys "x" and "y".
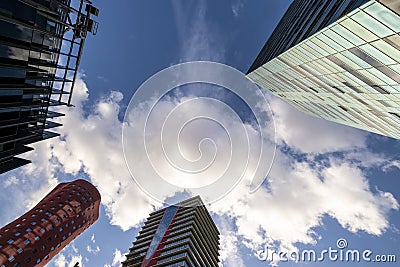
{"x": 347, "y": 72}
{"x": 177, "y": 236}
{"x": 40, "y": 234}
{"x": 41, "y": 43}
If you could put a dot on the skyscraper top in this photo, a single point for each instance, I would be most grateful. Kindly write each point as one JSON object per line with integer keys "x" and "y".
{"x": 180, "y": 235}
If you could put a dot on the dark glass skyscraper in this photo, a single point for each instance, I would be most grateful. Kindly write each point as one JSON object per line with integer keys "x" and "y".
{"x": 179, "y": 235}
{"x": 37, "y": 236}
{"x": 41, "y": 43}
{"x": 348, "y": 71}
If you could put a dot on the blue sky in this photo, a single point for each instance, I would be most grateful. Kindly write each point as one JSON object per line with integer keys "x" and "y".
{"x": 328, "y": 181}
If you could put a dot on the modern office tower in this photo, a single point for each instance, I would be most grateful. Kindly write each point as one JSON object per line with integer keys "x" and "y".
{"x": 37, "y": 236}
{"x": 302, "y": 19}
{"x": 179, "y": 235}
{"x": 347, "y": 72}
{"x": 41, "y": 43}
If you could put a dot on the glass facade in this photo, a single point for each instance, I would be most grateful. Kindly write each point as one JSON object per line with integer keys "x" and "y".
{"x": 348, "y": 72}
{"x": 40, "y": 46}
{"x": 302, "y": 19}
{"x": 180, "y": 235}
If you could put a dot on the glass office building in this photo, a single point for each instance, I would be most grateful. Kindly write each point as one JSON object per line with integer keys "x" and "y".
{"x": 302, "y": 19}
{"x": 41, "y": 43}
{"x": 179, "y": 235}
{"x": 41, "y": 233}
{"x": 347, "y": 72}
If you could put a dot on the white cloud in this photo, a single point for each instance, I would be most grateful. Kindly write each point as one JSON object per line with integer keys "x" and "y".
{"x": 76, "y": 259}
{"x": 60, "y": 261}
{"x": 11, "y": 180}
{"x": 237, "y": 6}
{"x": 93, "y": 250}
{"x": 229, "y": 244}
{"x": 118, "y": 258}
{"x": 198, "y": 38}
{"x": 93, "y": 144}
{"x": 392, "y": 165}
{"x": 298, "y": 196}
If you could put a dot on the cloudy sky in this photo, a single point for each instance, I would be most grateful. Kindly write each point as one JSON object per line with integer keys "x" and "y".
{"x": 327, "y": 181}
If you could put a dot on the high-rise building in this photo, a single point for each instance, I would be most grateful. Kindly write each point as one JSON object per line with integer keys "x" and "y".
{"x": 348, "y": 71}
{"x": 37, "y": 236}
{"x": 179, "y": 235}
{"x": 302, "y": 19}
{"x": 41, "y": 43}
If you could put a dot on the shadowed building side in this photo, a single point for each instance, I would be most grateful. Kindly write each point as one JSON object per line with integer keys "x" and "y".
{"x": 41, "y": 43}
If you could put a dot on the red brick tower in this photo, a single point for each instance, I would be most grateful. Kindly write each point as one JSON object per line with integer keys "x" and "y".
{"x": 37, "y": 236}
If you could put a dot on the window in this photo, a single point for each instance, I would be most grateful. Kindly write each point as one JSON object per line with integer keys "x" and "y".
{"x": 38, "y": 261}
{"x": 11, "y": 259}
{"x": 33, "y": 223}
{"x": 34, "y": 251}
{"x": 18, "y": 225}
{"x": 46, "y": 257}
{"x": 10, "y": 241}
{"x": 17, "y": 233}
{"x": 28, "y": 260}
{"x": 33, "y": 215}
{"x": 27, "y": 241}
{"x": 42, "y": 230}
{"x": 37, "y": 238}
{"x": 20, "y": 250}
